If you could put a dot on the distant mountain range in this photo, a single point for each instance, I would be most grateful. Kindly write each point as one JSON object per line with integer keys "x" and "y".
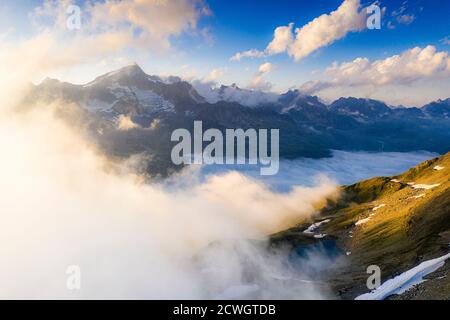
{"x": 155, "y": 106}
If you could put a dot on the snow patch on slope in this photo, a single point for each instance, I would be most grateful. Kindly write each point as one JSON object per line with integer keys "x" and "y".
{"x": 379, "y": 207}
{"x": 406, "y": 280}
{"x": 96, "y": 105}
{"x": 362, "y": 221}
{"x": 314, "y": 226}
{"x": 423, "y": 186}
{"x": 152, "y": 101}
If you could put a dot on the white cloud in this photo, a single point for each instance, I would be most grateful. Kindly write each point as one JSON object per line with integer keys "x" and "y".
{"x": 214, "y": 75}
{"x": 320, "y": 32}
{"x": 313, "y": 86}
{"x": 412, "y": 78}
{"x": 105, "y": 35}
{"x": 364, "y": 165}
{"x": 265, "y": 68}
{"x": 108, "y": 29}
{"x": 258, "y": 82}
{"x": 151, "y": 20}
{"x": 328, "y": 28}
{"x": 252, "y": 53}
{"x": 282, "y": 39}
{"x": 82, "y": 209}
{"x": 131, "y": 225}
{"x": 411, "y": 66}
{"x": 126, "y": 123}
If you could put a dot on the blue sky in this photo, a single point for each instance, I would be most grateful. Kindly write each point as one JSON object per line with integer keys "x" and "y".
{"x": 236, "y": 26}
{"x": 240, "y": 25}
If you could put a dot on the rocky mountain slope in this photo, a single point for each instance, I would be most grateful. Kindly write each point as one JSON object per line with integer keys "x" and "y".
{"x": 397, "y": 223}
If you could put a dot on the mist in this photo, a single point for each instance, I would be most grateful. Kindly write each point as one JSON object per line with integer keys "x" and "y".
{"x": 64, "y": 204}
{"x": 195, "y": 236}
{"x": 200, "y": 235}
{"x": 343, "y": 168}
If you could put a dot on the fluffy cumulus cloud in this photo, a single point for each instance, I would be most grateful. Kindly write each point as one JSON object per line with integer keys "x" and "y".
{"x": 265, "y": 68}
{"x": 407, "y": 68}
{"x": 320, "y": 32}
{"x": 149, "y": 20}
{"x": 314, "y": 86}
{"x": 107, "y": 29}
{"x": 282, "y": 39}
{"x": 414, "y": 77}
{"x": 258, "y": 82}
{"x": 215, "y": 75}
{"x": 328, "y": 28}
{"x": 126, "y": 123}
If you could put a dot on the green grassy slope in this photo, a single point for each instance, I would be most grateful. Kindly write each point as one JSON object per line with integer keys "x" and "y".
{"x": 410, "y": 223}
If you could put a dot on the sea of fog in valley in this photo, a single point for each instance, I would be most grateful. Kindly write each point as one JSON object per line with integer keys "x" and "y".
{"x": 343, "y": 168}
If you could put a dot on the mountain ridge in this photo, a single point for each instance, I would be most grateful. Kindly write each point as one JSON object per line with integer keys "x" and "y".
{"x": 393, "y": 222}
{"x": 308, "y": 127}
{"x": 134, "y": 70}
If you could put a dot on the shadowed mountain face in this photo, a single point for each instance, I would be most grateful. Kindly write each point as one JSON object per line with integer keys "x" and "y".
{"x": 153, "y": 107}
{"x": 361, "y": 109}
{"x": 440, "y": 108}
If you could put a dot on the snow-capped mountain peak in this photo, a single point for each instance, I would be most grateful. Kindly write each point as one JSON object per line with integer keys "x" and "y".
{"x": 128, "y": 90}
